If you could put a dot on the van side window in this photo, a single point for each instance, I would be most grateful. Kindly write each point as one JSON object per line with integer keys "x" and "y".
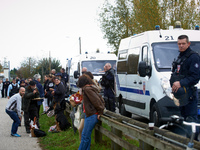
{"x": 133, "y": 57}
{"x": 121, "y": 63}
{"x": 145, "y": 55}
{"x": 122, "y": 56}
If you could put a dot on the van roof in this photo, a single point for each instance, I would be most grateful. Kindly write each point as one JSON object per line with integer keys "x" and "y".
{"x": 97, "y": 56}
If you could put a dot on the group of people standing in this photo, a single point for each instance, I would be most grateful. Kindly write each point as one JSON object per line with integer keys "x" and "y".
{"x": 28, "y": 96}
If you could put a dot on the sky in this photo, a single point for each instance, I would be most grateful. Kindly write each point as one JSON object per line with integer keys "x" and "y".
{"x": 35, "y": 28}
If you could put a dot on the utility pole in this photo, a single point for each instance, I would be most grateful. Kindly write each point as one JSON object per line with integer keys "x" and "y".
{"x": 29, "y": 62}
{"x": 49, "y": 62}
{"x": 80, "y": 44}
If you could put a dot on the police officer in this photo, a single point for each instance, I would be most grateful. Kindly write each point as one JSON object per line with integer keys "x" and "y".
{"x": 185, "y": 74}
{"x": 108, "y": 83}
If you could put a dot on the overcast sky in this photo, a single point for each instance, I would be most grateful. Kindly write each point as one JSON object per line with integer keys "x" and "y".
{"x": 35, "y": 27}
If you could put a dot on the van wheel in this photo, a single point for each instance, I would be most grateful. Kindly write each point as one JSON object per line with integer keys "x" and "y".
{"x": 124, "y": 112}
{"x": 155, "y": 115}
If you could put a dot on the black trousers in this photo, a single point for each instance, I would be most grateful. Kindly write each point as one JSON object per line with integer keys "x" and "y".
{"x": 26, "y": 120}
{"x": 28, "y": 116}
{"x": 2, "y": 92}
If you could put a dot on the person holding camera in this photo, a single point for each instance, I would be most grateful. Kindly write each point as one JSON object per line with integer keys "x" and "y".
{"x": 108, "y": 83}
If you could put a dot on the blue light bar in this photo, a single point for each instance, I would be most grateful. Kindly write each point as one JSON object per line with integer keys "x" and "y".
{"x": 157, "y": 27}
{"x": 196, "y": 27}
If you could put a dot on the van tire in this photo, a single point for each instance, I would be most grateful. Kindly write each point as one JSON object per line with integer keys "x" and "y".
{"x": 124, "y": 112}
{"x": 155, "y": 115}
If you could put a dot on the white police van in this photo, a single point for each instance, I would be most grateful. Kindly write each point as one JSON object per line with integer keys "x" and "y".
{"x": 94, "y": 63}
{"x": 144, "y": 69}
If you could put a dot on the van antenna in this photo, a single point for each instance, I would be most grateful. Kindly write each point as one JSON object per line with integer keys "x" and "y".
{"x": 160, "y": 34}
{"x": 157, "y": 27}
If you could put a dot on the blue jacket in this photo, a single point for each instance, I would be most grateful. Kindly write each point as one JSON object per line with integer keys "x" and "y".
{"x": 41, "y": 91}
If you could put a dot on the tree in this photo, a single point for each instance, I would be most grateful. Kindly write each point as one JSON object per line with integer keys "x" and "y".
{"x": 28, "y": 68}
{"x": 146, "y": 15}
{"x": 55, "y": 64}
{"x": 1, "y": 67}
{"x": 115, "y": 21}
{"x": 43, "y": 66}
{"x": 13, "y": 72}
{"x": 127, "y": 17}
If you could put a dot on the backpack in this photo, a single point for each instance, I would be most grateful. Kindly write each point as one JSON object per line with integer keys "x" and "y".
{"x": 14, "y": 90}
{"x": 39, "y": 133}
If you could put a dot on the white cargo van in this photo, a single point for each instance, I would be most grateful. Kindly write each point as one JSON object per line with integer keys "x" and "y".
{"x": 94, "y": 63}
{"x": 143, "y": 71}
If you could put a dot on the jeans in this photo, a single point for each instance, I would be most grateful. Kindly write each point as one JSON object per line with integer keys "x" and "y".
{"x": 89, "y": 124}
{"x": 13, "y": 115}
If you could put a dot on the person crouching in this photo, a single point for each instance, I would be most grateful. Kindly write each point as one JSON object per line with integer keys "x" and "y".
{"x": 13, "y": 109}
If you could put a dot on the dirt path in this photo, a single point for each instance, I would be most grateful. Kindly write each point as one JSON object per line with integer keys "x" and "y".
{"x": 25, "y": 142}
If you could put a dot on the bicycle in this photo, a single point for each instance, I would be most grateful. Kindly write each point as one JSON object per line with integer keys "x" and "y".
{"x": 176, "y": 120}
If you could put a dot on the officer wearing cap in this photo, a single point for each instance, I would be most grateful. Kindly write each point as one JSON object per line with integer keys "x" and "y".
{"x": 185, "y": 75}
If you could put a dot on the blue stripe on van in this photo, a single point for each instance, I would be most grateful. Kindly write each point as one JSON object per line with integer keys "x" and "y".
{"x": 73, "y": 85}
{"x": 136, "y": 91}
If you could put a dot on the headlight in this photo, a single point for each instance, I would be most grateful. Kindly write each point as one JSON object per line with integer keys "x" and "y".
{"x": 166, "y": 87}
{"x": 168, "y": 90}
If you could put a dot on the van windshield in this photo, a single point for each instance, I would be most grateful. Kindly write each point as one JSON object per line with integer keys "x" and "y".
{"x": 165, "y": 53}
{"x": 97, "y": 67}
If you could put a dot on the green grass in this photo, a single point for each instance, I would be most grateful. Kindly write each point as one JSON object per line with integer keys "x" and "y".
{"x": 67, "y": 140}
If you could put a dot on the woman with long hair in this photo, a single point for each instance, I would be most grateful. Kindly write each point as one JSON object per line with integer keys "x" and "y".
{"x": 93, "y": 108}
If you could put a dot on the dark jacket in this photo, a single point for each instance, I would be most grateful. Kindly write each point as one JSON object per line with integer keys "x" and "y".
{"x": 59, "y": 92}
{"x": 6, "y": 84}
{"x": 27, "y": 99}
{"x": 45, "y": 84}
{"x": 91, "y": 100}
{"x": 49, "y": 85}
{"x": 190, "y": 68}
{"x": 109, "y": 80}
{"x": 41, "y": 91}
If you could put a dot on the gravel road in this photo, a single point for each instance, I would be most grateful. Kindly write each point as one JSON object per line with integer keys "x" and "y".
{"x": 7, "y": 142}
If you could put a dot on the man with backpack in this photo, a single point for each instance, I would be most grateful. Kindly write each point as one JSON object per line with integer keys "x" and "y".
{"x": 13, "y": 88}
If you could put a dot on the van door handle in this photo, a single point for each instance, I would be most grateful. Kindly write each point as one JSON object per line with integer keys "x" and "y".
{"x": 140, "y": 82}
{"x": 135, "y": 82}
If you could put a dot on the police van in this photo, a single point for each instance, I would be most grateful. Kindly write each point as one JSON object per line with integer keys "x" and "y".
{"x": 94, "y": 63}
{"x": 144, "y": 69}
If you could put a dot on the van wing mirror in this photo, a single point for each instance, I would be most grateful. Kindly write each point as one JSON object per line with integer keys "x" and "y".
{"x": 143, "y": 69}
{"x": 76, "y": 74}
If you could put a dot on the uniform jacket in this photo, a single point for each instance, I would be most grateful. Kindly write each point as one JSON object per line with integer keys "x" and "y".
{"x": 27, "y": 99}
{"x": 91, "y": 100}
{"x": 191, "y": 66}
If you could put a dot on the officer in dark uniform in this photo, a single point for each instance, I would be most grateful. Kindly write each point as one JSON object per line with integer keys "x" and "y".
{"x": 5, "y": 86}
{"x": 185, "y": 74}
{"x": 108, "y": 82}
